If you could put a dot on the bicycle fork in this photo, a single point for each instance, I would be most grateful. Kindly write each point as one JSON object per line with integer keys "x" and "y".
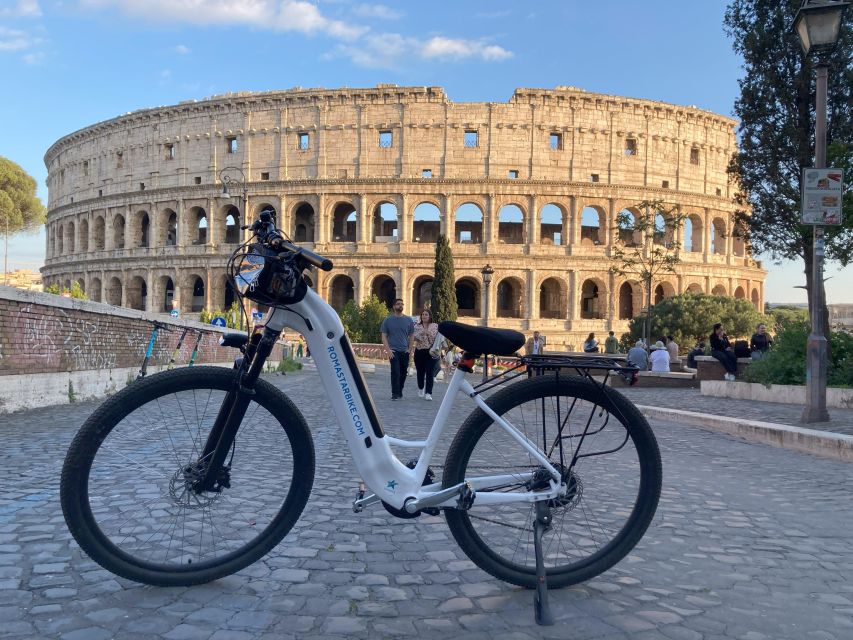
{"x": 210, "y": 473}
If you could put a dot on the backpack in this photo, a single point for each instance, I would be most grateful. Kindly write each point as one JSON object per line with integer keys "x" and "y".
{"x": 741, "y": 349}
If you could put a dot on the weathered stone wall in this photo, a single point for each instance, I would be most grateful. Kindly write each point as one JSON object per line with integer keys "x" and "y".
{"x": 138, "y": 217}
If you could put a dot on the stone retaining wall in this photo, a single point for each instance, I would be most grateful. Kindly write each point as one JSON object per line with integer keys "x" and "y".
{"x": 785, "y": 393}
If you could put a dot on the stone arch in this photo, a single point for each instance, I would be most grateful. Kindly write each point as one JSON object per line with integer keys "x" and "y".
{"x": 341, "y": 291}
{"x": 60, "y": 239}
{"x": 468, "y": 297}
{"x": 198, "y": 289}
{"x": 344, "y": 223}
{"x": 551, "y": 231}
{"x": 694, "y": 287}
{"x": 113, "y": 292}
{"x": 168, "y": 228}
{"x": 84, "y": 235}
{"x": 303, "y": 223}
{"x": 137, "y": 293}
{"x": 421, "y": 294}
{"x": 69, "y": 237}
{"x": 719, "y": 290}
{"x": 67, "y": 285}
{"x": 630, "y": 299}
{"x": 510, "y": 298}
{"x": 756, "y": 299}
{"x": 693, "y": 236}
{"x": 140, "y": 227}
{"x": 95, "y": 290}
{"x": 82, "y": 284}
{"x": 384, "y": 223}
{"x": 99, "y": 235}
{"x": 663, "y": 290}
{"x": 198, "y": 226}
{"x": 384, "y": 288}
{"x": 426, "y": 223}
{"x": 661, "y": 229}
{"x": 626, "y": 222}
{"x": 511, "y": 224}
{"x": 118, "y": 231}
{"x": 167, "y": 286}
{"x": 738, "y": 246}
{"x": 740, "y": 293}
{"x": 593, "y": 223}
{"x": 553, "y": 298}
{"x": 718, "y": 236}
{"x": 468, "y": 222}
{"x": 228, "y": 223}
{"x": 593, "y": 299}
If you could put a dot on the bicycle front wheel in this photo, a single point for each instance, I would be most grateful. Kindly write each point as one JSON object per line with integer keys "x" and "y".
{"x": 610, "y": 463}
{"x": 126, "y": 499}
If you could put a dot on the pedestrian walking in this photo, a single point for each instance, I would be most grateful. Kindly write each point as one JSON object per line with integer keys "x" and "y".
{"x": 611, "y": 344}
{"x": 397, "y": 337}
{"x": 590, "y": 345}
{"x": 535, "y": 346}
{"x": 425, "y": 332}
{"x": 299, "y": 348}
{"x": 722, "y": 350}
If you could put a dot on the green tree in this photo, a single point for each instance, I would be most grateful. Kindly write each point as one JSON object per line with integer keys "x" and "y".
{"x": 76, "y": 291}
{"x": 362, "y": 323}
{"x": 785, "y": 314}
{"x": 777, "y": 120}
{"x": 20, "y": 209}
{"x": 651, "y": 239}
{"x": 444, "y": 305}
{"x": 689, "y": 317}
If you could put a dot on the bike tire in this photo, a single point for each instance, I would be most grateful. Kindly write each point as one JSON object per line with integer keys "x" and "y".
{"x": 128, "y": 428}
{"x": 499, "y": 538}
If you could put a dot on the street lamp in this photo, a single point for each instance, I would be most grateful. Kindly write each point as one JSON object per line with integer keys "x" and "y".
{"x": 487, "y": 273}
{"x": 818, "y": 24}
{"x": 228, "y": 181}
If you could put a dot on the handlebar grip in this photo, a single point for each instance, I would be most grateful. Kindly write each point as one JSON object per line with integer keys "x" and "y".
{"x": 316, "y": 259}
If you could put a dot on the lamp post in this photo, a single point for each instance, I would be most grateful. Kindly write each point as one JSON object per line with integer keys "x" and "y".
{"x": 487, "y": 273}
{"x": 818, "y": 23}
{"x": 228, "y": 181}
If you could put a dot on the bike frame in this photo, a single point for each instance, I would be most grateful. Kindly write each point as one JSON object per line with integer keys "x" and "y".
{"x": 386, "y": 476}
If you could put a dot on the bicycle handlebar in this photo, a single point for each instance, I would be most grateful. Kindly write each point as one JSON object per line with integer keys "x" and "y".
{"x": 265, "y": 230}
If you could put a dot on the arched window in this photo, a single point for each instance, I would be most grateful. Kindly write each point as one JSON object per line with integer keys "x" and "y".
{"x": 385, "y": 223}
{"x": 385, "y": 289}
{"x": 232, "y": 225}
{"x": 627, "y": 223}
{"x": 95, "y": 290}
{"x": 592, "y": 223}
{"x": 84, "y": 235}
{"x": 168, "y": 294}
{"x": 114, "y": 292}
{"x": 426, "y": 223}
{"x": 303, "y": 223}
{"x": 509, "y": 298}
{"x": 344, "y": 223}
{"x": 469, "y": 224}
{"x": 626, "y": 301}
{"x": 511, "y": 225}
{"x": 592, "y": 302}
{"x": 552, "y": 303}
{"x": 468, "y": 298}
{"x": 421, "y": 294}
{"x": 551, "y": 225}
{"x": 341, "y": 291}
{"x": 100, "y": 234}
{"x": 118, "y": 233}
{"x": 137, "y": 293}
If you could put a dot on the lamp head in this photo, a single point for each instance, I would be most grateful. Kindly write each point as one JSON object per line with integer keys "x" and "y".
{"x": 487, "y": 272}
{"x": 818, "y": 24}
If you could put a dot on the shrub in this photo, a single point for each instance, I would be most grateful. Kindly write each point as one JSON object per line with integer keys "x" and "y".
{"x": 362, "y": 323}
{"x": 287, "y": 365}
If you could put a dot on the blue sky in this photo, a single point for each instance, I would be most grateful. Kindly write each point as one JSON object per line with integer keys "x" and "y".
{"x": 70, "y": 63}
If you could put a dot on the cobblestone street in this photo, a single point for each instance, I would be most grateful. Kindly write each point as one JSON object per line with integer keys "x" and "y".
{"x": 749, "y": 542}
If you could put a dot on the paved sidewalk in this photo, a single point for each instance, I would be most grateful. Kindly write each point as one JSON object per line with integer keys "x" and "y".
{"x": 749, "y": 541}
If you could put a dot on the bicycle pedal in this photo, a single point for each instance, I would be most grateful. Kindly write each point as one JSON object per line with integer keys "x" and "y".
{"x": 466, "y": 497}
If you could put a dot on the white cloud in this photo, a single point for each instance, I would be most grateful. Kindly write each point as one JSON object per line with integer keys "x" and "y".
{"x": 379, "y": 11}
{"x": 34, "y": 58}
{"x": 441, "y": 47}
{"x": 281, "y": 15}
{"x": 389, "y": 50}
{"x": 181, "y": 49}
{"x": 16, "y": 40}
{"x": 22, "y": 9}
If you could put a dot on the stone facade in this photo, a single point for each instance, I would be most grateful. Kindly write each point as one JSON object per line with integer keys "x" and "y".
{"x": 370, "y": 177}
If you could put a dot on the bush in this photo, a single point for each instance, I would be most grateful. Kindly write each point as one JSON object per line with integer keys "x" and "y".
{"x": 785, "y": 363}
{"x": 362, "y": 323}
{"x": 287, "y": 365}
{"x": 76, "y": 291}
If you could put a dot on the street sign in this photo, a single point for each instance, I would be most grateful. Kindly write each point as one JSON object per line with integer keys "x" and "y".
{"x": 257, "y": 316}
{"x": 174, "y": 313}
{"x": 822, "y": 191}
{"x": 218, "y": 321}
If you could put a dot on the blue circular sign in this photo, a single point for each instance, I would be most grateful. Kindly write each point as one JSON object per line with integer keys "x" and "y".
{"x": 174, "y": 313}
{"x": 218, "y": 321}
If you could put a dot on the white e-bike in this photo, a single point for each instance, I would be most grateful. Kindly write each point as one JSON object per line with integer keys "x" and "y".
{"x": 192, "y": 474}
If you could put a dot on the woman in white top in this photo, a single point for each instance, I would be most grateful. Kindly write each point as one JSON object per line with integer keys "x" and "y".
{"x": 424, "y": 337}
{"x": 659, "y": 357}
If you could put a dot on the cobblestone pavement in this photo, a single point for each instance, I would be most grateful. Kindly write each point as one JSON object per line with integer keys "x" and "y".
{"x": 749, "y": 541}
{"x": 841, "y": 420}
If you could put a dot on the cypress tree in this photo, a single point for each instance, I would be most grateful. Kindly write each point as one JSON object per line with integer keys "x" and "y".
{"x": 444, "y": 286}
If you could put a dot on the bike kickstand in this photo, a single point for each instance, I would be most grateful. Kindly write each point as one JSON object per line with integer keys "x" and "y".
{"x": 541, "y": 606}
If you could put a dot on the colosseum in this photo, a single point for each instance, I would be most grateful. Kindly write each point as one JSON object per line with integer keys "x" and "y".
{"x": 370, "y": 177}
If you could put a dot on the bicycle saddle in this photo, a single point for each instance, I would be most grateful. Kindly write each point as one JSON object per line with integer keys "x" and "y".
{"x": 480, "y": 340}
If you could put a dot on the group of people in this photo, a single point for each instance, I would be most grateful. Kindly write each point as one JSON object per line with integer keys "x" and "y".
{"x": 403, "y": 338}
{"x": 723, "y": 350}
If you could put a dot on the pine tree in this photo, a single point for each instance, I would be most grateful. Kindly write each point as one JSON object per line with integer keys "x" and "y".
{"x": 444, "y": 286}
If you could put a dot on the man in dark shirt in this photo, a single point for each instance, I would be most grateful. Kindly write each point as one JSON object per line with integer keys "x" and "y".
{"x": 397, "y": 336}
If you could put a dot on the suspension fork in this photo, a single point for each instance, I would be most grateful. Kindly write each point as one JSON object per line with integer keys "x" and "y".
{"x": 233, "y": 409}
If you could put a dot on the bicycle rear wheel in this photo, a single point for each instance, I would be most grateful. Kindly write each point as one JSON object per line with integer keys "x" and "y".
{"x": 611, "y": 490}
{"x": 125, "y": 496}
